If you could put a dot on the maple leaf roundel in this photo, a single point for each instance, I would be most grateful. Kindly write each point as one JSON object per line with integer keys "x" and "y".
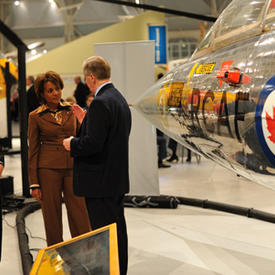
{"x": 268, "y": 121}
{"x": 265, "y": 119}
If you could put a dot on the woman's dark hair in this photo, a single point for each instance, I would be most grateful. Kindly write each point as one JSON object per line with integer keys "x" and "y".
{"x": 41, "y": 79}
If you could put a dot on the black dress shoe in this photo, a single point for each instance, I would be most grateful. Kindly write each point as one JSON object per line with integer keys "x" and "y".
{"x": 188, "y": 160}
{"x": 162, "y": 165}
{"x": 172, "y": 158}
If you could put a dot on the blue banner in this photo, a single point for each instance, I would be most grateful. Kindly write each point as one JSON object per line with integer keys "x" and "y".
{"x": 158, "y": 34}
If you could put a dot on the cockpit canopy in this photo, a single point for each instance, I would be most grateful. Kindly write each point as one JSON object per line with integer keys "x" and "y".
{"x": 240, "y": 20}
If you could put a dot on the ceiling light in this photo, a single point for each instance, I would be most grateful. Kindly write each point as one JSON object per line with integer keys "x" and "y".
{"x": 52, "y": 3}
{"x": 137, "y": 1}
{"x": 35, "y": 45}
{"x": 16, "y": 3}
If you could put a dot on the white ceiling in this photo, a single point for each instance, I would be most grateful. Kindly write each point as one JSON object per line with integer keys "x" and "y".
{"x": 38, "y": 19}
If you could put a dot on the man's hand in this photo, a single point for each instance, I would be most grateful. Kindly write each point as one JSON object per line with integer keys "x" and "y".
{"x": 79, "y": 112}
{"x": 36, "y": 194}
{"x": 67, "y": 143}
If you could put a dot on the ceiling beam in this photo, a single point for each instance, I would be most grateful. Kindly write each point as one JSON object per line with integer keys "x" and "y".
{"x": 77, "y": 6}
{"x": 159, "y": 9}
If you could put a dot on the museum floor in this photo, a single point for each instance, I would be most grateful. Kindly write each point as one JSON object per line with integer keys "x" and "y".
{"x": 186, "y": 240}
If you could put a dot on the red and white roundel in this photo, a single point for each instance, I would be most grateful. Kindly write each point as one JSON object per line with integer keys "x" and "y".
{"x": 268, "y": 121}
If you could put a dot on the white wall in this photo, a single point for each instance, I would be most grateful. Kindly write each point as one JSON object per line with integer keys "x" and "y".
{"x": 132, "y": 66}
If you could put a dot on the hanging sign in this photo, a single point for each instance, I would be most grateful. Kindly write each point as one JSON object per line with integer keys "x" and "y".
{"x": 158, "y": 34}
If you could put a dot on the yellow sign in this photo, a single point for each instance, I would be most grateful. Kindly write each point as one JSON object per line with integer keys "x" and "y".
{"x": 205, "y": 68}
{"x": 95, "y": 252}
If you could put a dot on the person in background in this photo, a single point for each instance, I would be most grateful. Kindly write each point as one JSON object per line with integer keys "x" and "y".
{"x": 101, "y": 154}
{"x": 14, "y": 100}
{"x": 2, "y": 162}
{"x": 162, "y": 152}
{"x": 188, "y": 155}
{"x": 32, "y": 101}
{"x": 89, "y": 99}
{"x": 50, "y": 165}
{"x": 161, "y": 142}
{"x": 71, "y": 100}
{"x": 172, "y": 144}
{"x": 80, "y": 92}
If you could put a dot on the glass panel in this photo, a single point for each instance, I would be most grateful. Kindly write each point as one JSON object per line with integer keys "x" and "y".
{"x": 270, "y": 18}
{"x": 181, "y": 48}
{"x": 239, "y": 14}
{"x": 95, "y": 252}
{"x": 87, "y": 256}
{"x": 206, "y": 40}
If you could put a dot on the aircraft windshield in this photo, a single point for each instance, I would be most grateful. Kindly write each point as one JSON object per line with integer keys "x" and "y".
{"x": 241, "y": 15}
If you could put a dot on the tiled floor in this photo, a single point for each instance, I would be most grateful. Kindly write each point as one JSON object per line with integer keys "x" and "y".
{"x": 186, "y": 240}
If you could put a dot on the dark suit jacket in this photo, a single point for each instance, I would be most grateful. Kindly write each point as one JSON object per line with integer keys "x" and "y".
{"x": 100, "y": 150}
{"x": 46, "y": 141}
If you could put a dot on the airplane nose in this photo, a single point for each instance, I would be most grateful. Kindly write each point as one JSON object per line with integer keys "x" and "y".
{"x": 161, "y": 104}
{"x": 153, "y": 103}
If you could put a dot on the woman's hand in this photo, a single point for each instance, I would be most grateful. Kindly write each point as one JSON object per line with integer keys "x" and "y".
{"x": 36, "y": 194}
{"x": 79, "y": 112}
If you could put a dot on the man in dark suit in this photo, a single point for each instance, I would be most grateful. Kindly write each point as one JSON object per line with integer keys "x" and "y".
{"x": 100, "y": 153}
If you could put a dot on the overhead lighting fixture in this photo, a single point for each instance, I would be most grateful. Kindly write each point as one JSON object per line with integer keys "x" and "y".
{"x": 137, "y": 1}
{"x": 35, "y": 45}
{"x": 53, "y": 4}
{"x": 16, "y": 3}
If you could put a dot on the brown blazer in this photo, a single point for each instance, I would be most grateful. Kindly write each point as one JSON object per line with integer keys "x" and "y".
{"x": 45, "y": 140}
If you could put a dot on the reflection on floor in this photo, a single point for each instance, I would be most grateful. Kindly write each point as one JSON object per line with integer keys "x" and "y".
{"x": 185, "y": 240}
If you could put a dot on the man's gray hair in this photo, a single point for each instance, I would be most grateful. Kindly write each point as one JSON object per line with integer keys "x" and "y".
{"x": 98, "y": 66}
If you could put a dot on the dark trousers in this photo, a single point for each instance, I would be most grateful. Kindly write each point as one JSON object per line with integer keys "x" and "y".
{"x": 162, "y": 153}
{"x": 104, "y": 211}
{"x": 172, "y": 144}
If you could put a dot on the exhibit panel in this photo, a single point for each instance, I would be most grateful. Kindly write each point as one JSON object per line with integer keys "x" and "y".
{"x": 132, "y": 65}
{"x": 95, "y": 252}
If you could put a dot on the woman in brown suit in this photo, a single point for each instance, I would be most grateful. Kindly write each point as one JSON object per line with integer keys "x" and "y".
{"x": 50, "y": 165}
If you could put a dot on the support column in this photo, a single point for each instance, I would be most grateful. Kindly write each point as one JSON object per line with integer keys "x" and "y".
{"x": 4, "y": 15}
{"x": 69, "y": 8}
{"x": 23, "y": 118}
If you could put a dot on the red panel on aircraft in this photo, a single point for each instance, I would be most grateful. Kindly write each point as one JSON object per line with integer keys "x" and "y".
{"x": 272, "y": 5}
